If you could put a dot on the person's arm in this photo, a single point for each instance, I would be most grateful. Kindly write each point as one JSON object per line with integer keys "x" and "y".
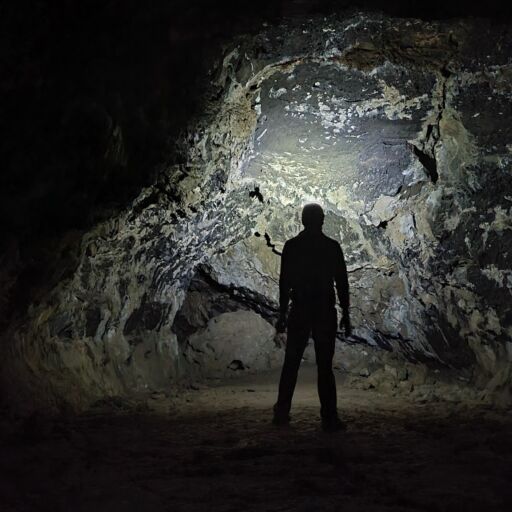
{"x": 284, "y": 287}
{"x": 342, "y": 288}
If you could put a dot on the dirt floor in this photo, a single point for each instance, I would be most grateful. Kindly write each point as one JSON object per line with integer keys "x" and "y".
{"x": 214, "y": 449}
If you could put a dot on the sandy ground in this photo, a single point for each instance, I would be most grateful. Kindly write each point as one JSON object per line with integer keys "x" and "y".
{"x": 214, "y": 449}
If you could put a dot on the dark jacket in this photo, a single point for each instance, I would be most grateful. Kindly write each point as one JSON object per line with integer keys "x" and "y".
{"x": 311, "y": 265}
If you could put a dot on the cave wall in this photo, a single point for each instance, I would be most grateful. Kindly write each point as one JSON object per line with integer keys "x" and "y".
{"x": 400, "y": 128}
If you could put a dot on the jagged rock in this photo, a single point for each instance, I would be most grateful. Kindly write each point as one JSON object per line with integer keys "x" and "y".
{"x": 233, "y": 342}
{"x": 382, "y": 380}
{"x": 416, "y": 374}
{"x": 406, "y": 386}
{"x": 398, "y": 373}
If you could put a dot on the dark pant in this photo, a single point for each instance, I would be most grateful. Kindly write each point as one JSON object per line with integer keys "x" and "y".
{"x": 303, "y": 322}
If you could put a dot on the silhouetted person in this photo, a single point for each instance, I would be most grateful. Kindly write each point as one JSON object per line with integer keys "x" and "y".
{"x": 312, "y": 264}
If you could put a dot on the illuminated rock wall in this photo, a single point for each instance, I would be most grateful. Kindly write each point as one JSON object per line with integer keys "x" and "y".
{"x": 401, "y": 129}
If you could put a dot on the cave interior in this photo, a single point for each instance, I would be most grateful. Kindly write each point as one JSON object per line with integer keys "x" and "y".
{"x": 157, "y": 158}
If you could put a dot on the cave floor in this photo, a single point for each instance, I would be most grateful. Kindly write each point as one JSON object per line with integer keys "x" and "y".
{"x": 214, "y": 448}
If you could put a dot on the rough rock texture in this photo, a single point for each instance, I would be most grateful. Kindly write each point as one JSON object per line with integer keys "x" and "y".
{"x": 232, "y": 342}
{"x": 400, "y": 128}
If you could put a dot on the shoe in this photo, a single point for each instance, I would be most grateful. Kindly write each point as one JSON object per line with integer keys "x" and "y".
{"x": 280, "y": 419}
{"x": 333, "y": 424}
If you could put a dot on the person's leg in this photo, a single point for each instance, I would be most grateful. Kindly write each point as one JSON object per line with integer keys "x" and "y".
{"x": 324, "y": 336}
{"x": 297, "y": 338}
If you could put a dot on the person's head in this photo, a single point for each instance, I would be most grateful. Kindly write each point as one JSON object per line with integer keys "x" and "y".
{"x": 312, "y": 216}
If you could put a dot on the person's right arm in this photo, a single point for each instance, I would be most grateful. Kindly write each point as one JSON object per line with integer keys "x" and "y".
{"x": 342, "y": 288}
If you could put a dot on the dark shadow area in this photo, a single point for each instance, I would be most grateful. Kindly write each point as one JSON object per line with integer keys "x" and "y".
{"x": 94, "y": 96}
{"x": 217, "y": 450}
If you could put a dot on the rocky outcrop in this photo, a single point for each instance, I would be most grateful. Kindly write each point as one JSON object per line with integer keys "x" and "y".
{"x": 399, "y": 128}
{"x": 232, "y": 342}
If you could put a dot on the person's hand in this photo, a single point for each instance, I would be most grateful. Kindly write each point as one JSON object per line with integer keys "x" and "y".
{"x": 281, "y": 324}
{"x": 345, "y": 323}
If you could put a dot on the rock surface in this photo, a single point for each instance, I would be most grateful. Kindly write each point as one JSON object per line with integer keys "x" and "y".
{"x": 233, "y": 342}
{"x": 400, "y": 128}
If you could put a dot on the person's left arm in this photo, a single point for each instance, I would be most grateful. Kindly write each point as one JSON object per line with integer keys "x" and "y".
{"x": 284, "y": 288}
{"x": 342, "y": 288}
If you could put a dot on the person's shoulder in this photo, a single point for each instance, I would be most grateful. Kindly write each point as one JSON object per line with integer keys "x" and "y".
{"x": 331, "y": 241}
{"x": 290, "y": 244}
{"x": 293, "y": 241}
{"x": 332, "y": 245}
